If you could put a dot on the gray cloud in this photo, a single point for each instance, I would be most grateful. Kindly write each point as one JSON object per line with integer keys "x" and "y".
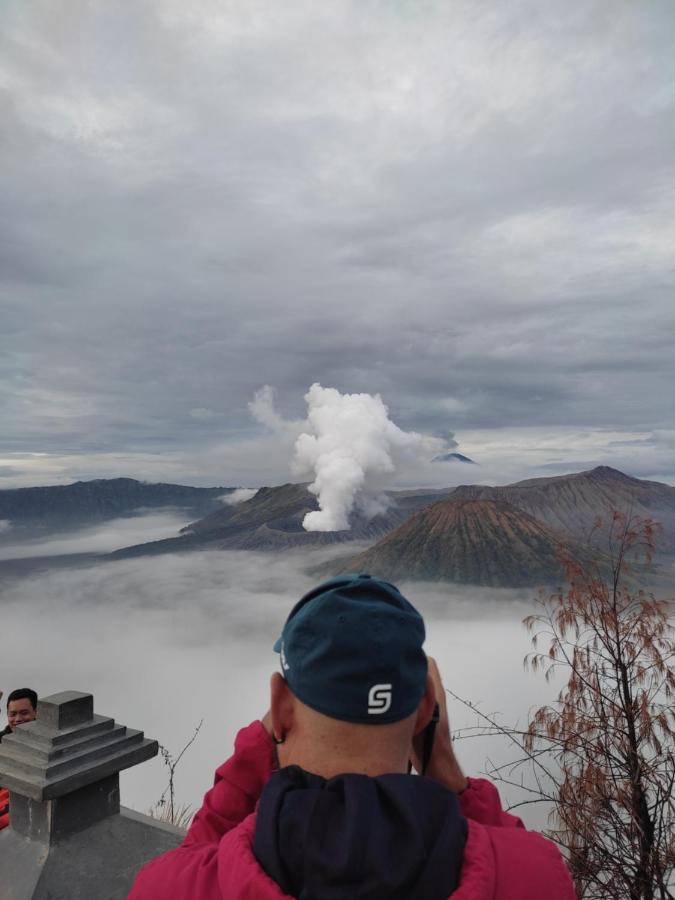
{"x": 469, "y": 212}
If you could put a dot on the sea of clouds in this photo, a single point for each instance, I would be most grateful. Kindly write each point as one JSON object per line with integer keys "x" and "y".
{"x": 166, "y": 642}
{"x": 101, "y": 538}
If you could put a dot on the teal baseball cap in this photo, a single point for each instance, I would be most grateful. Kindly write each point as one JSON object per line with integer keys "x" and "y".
{"x": 351, "y": 649}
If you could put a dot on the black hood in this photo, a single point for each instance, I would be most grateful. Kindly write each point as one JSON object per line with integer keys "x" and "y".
{"x": 399, "y": 837}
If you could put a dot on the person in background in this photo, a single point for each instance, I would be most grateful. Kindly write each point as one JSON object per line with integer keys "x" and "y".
{"x": 318, "y": 799}
{"x": 4, "y": 799}
{"x": 21, "y": 707}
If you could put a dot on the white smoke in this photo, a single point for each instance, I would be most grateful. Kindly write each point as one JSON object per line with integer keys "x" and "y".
{"x": 350, "y": 447}
{"x": 239, "y": 495}
{"x": 263, "y": 411}
{"x": 5, "y": 525}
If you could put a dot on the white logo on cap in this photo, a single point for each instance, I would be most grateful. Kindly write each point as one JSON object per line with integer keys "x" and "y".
{"x": 284, "y": 664}
{"x": 379, "y": 699}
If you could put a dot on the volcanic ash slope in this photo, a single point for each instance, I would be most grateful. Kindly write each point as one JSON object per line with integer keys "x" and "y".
{"x": 485, "y": 542}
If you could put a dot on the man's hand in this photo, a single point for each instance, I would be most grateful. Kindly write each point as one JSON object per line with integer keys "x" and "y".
{"x": 443, "y": 766}
{"x": 267, "y": 723}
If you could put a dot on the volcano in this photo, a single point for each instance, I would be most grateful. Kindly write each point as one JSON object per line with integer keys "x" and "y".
{"x": 272, "y": 520}
{"x": 484, "y": 542}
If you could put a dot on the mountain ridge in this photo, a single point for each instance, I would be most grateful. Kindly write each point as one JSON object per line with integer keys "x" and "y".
{"x": 524, "y": 523}
{"x": 272, "y": 520}
{"x": 99, "y": 499}
{"x": 572, "y": 504}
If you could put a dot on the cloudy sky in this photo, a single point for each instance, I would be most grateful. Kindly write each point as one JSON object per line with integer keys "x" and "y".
{"x": 466, "y": 207}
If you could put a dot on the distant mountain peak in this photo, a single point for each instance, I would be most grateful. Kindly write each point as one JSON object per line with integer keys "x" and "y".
{"x": 609, "y": 473}
{"x": 453, "y": 457}
{"x": 604, "y": 474}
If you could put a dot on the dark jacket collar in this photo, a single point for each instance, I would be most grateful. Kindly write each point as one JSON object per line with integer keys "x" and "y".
{"x": 396, "y": 836}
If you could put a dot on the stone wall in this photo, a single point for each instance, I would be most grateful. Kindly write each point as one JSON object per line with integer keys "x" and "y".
{"x": 68, "y": 838}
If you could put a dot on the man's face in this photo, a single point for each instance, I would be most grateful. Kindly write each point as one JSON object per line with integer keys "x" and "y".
{"x": 20, "y": 711}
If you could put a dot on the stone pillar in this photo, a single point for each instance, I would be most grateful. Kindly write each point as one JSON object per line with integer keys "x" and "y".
{"x": 68, "y": 838}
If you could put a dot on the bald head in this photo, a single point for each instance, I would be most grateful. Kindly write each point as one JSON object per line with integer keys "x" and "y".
{"x": 329, "y": 747}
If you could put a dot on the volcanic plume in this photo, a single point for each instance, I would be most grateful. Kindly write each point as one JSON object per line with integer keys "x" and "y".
{"x": 350, "y": 449}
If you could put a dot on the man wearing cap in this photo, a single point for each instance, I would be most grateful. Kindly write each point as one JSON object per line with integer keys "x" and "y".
{"x": 317, "y": 802}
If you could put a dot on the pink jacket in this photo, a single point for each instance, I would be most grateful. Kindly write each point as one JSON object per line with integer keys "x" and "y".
{"x": 4, "y": 808}
{"x": 502, "y": 861}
